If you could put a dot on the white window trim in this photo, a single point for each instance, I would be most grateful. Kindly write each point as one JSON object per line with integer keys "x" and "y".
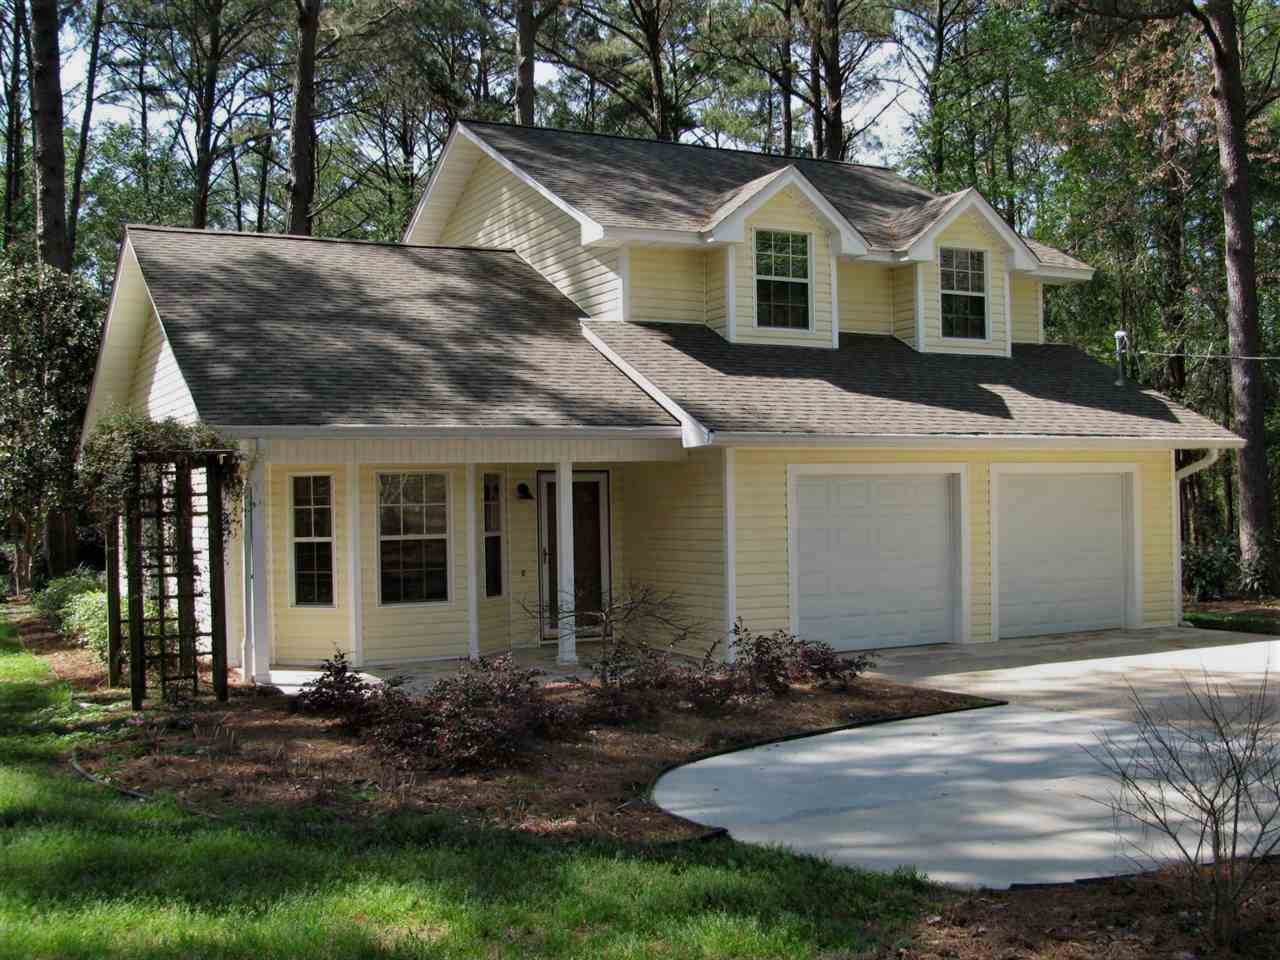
{"x": 986, "y": 297}
{"x": 500, "y": 533}
{"x": 808, "y": 282}
{"x": 1134, "y": 603}
{"x": 332, "y": 540}
{"x": 447, "y": 536}
{"x": 959, "y": 472}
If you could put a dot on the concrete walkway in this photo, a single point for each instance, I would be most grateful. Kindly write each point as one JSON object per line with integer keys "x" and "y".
{"x": 983, "y": 798}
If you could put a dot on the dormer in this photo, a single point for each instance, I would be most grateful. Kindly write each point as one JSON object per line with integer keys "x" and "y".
{"x": 762, "y": 249}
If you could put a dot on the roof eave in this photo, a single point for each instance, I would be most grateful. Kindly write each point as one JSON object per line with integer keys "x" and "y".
{"x": 731, "y": 438}
{"x": 358, "y": 431}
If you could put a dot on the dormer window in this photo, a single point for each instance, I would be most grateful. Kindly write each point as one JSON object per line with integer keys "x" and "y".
{"x": 964, "y": 294}
{"x": 782, "y": 280}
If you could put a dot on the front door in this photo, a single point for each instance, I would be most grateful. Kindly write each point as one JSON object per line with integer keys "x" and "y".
{"x": 590, "y": 550}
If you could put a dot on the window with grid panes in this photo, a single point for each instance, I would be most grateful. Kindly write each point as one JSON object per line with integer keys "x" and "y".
{"x": 782, "y": 280}
{"x": 312, "y": 540}
{"x": 493, "y": 534}
{"x": 964, "y": 294}
{"x": 413, "y": 537}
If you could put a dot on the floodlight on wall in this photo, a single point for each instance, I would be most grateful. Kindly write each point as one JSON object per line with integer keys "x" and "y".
{"x": 523, "y": 492}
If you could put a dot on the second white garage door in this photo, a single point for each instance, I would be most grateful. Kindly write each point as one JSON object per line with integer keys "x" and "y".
{"x": 1063, "y": 551}
{"x": 877, "y": 563}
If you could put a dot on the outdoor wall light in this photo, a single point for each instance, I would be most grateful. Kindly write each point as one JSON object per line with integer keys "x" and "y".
{"x": 523, "y": 492}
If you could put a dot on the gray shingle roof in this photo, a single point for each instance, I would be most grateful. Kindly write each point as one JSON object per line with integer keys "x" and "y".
{"x": 634, "y": 183}
{"x": 878, "y": 386}
{"x": 290, "y": 331}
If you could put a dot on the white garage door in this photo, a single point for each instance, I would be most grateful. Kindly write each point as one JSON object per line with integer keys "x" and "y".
{"x": 1061, "y": 552}
{"x": 876, "y": 560}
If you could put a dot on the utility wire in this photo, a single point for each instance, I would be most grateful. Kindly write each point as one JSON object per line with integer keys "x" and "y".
{"x": 1204, "y": 356}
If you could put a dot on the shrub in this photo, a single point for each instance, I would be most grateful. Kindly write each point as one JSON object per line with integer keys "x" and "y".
{"x": 764, "y": 661}
{"x": 817, "y": 662}
{"x": 1210, "y": 570}
{"x": 1203, "y": 790}
{"x": 339, "y": 691}
{"x": 85, "y": 618}
{"x": 58, "y": 592}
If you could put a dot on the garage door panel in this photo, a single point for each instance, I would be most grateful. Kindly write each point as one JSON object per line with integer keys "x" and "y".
{"x": 1062, "y": 553}
{"x": 876, "y": 560}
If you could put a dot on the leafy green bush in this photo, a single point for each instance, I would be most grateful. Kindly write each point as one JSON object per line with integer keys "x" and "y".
{"x": 1210, "y": 571}
{"x": 57, "y": 593}
{"x": 85, "y": 617}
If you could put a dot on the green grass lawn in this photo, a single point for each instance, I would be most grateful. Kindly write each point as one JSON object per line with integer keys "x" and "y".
{"x": 85, "y": 872}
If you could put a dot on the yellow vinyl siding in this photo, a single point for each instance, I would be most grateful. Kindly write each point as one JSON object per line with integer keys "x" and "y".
{"x": 306, "y": 634}
{"x": 865, "y": 292}
{"x": 717, "y": 289}
{"x": 761, "y": 556}
{"x": 668, "y": 284}
{"x": 1025, "y": 293}
{"x": 498, "y": 210}
{"x": 903, "y": 283}
{"x": 968, "y": 232}
{"x": 674, "y": 536}
{"x": 788, "y": 211}
{"x": 158, "y": 389}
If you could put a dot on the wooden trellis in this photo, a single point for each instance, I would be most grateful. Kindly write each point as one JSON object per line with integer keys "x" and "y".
{"x": 163, "y": 562}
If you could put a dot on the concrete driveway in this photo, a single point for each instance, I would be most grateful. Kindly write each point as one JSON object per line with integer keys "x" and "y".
{"x": 983, "y": 798}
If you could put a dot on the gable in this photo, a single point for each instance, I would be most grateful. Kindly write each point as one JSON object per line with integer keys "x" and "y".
{"x": 159, "y": 390}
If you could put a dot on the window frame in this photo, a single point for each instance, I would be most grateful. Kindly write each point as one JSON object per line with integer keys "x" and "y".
{"x": 447, "y": 536}
{"x": 500, "y": 534}
{"x": 808, "y": 281}
{"x": 332, "y": 540}
{"x": 985, "y": 295}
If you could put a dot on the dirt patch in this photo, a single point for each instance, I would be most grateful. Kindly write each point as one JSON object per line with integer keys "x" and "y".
{"x": 1259, "y": 609}
{"x": 1142, "y": 918}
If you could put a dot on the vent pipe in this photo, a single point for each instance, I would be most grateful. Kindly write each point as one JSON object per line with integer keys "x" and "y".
{"x": 1122, "y": 344}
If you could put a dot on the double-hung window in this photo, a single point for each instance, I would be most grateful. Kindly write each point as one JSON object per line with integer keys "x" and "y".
{"x": 493, "y": 534}
{"x": 964, "y": 294}
{"x": 413, "y": 537}
{"x": 782, "y": 280}
{"x": 313, "y": 541}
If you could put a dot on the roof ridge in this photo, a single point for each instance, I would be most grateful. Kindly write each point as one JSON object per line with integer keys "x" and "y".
{"x": 680, "y": 143}
{"x": 273, "y": 235}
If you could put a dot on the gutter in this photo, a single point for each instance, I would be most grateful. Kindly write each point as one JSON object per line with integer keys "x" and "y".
{"x": 1209, "y": 459}
{"x": 964, "y": 441}
{"x": 358, "y": 431}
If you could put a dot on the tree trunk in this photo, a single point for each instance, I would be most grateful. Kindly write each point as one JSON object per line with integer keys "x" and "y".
{"x": 206, "y": 103}
{"x": 658, "y": 84}
{"x": 86, "y": 119}
{"x": 302, "y": 139}
{"x": 933, "y": 95}
{"x": 1248, "y": 392}
{"x": 15, "y": 137}
{"x": 46, "y": 122}
{"x": 833, "y": 112}
{"x": 788, "y": 84}
{"x": 815, "y": 91}
{"x": 526, "y": 36}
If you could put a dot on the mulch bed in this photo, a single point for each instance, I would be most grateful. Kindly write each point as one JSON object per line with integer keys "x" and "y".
{"x": 256, "y": 751}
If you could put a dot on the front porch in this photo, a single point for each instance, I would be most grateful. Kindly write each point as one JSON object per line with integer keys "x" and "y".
{"x": 409, "y": 555}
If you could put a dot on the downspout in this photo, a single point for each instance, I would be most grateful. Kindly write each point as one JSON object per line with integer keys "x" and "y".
{"x": 1209, "y": 459}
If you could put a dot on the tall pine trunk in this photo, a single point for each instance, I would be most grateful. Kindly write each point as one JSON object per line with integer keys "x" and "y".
{"x": 302, "y": 139}
{"x": 526, "y": 36}
{"x": 1248, "y": 389}
{"x": 15, "y": 134}
{"x": 832, "y": 113}
{"x": 46, "y": 123}
{"x": 86, "y": 120}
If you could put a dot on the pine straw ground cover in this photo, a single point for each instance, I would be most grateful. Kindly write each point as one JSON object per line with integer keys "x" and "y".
{"x": 313, "y": 861}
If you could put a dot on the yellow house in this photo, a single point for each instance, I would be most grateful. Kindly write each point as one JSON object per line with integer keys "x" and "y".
{"x": 804, "y": 393}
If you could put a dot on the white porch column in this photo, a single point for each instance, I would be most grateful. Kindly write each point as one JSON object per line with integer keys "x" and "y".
{"x": 355, "y": 574}
{"x": 568, "y": 652}
{"x": 473, "y": 576}
{"x": 257, "y": 658}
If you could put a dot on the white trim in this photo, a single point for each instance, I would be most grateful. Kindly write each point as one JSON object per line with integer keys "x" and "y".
{"x": 290, "y": 570}
{"x": 436, "y": 173}
{"x": 835, "y": 302}
{"x": 126, "y": 251}
{"x": 355, "y": 571}
{"x": 450, "y": 474}
{"x": 809, "y": 281}
{"x": 384, "y": 432}
{"x": 731, "y": 293}
{"x": 257, "y": 661}
{"x": 919, "y": 307}
{"x": 617, "y": 236}
{"x": 1175, "y": 511}
{"x": 1131, "y": 504}
{"x": 961, "y": 441}
{"x": 624, "y": 284}
{"x": 923, "y": 247}
{"x": 962, "y": 615}
{"x": 1008, "y": 313}
{"x": 567, "y": 649}
{"x": 473, "y": 575}
{"x": 730, "y": 227}
{"x": 692, "y": 433}
{"x": 730, "y": 548}
{"x": 1040, "y": 309}
{"x": 1064, "y": 274}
